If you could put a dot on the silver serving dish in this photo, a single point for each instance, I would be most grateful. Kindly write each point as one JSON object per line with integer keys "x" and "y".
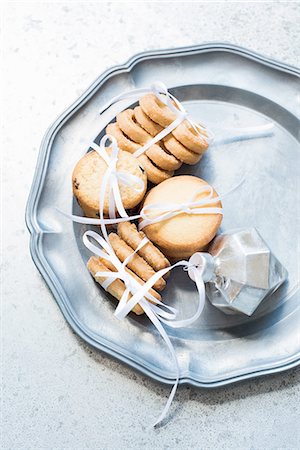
{"x": 218, "y": 83}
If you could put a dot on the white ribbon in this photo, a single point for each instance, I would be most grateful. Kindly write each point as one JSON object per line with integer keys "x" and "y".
{"x": 169, "y": 210}
{"x": 160, "y": 90}
{"x": 112, "y": 178}
{"x": 228, "y": 135}
{"x": 224, "y": 135}
{"x": 165, "y": 210}
{"x": 156, "y": 310}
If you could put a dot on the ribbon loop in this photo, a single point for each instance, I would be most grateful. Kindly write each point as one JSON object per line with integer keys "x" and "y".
{"x": 159, "y": 212}
{"x": 185, "y": 208}
{"x": 111, "y": 179}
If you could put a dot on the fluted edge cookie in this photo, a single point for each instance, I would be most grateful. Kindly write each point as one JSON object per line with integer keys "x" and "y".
{"x": 194, "y": 140}
{"x": 137, "y": 264}
{"x": 157, "y": 110}
{"x": 147, "y": 123}
{"x": 151, "y": 254}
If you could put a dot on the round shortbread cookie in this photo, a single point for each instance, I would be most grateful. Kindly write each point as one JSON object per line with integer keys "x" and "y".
{"x": 154, "y": 257}
{"x": 180, "y": 151}
{"x": 186, "y": 134}
{"x": 129, "y": 126}
{"x": 88, "y": 175}
{"x": 183, "y": 234}
{"x": 160, "y": 157}
{"x": 145, "y": 122}
{"x": 123, "y": 142}
{"x": 157, "y": 110}
{"x": 154, "y": 174}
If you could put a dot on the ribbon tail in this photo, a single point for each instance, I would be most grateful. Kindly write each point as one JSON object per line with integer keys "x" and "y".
{"x": 92, "y": 221}
{"x": 101, "y": 204}
{"x": 118, "y": 200}
{"x": 152, "y": 316}
{"x": 231, "y": 135}
{"x": 168, "y": 404}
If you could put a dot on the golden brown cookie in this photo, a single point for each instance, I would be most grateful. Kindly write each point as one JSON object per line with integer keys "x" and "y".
{"x": 154, "y": 173}
{"x": 183, "y": 234}
{"x": 161, "y": 114}
{"x": 157, "y": 110}
{"x": 88, "y": 175}
{"x": 194, "y": 140}
{"x": 127, "y": 123}
{"x": 145, "y": 122}
{"x": 158, "y": 155}
{"x": 124, "y": 142}
{"x": 137, "y": 264}
{"x": 129, "y": 233}
{"x": 116, "y": 288}
{"x": 180, "y": 151}
{"x": 162, "y": 158}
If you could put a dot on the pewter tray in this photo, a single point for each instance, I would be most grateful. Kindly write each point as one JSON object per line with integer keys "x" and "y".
{"x": 218, "y": 83}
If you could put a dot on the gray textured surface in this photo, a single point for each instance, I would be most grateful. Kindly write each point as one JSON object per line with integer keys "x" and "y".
{"x": 59, "y": 394}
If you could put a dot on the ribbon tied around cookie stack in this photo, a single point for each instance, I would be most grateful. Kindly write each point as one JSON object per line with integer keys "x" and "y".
{"x": 157, "y": 311}
{"x": 214, "y": 135}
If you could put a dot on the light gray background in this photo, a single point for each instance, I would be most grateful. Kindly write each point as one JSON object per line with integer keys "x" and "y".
{"x": 58, "y": 393}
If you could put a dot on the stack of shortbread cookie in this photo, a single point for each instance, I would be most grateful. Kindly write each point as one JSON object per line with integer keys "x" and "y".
{"x": 135, "y": 127}
{"x": 143, "y": 264}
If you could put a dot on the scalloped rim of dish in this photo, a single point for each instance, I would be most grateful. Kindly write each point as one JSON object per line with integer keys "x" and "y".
{"x": 36, "y": 233}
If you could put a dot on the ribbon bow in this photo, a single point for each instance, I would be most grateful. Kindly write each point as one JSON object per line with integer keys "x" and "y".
{"x": 107, "y": 253}
{"x": 112, "y": 178}
{"x": 173, "y": 209}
